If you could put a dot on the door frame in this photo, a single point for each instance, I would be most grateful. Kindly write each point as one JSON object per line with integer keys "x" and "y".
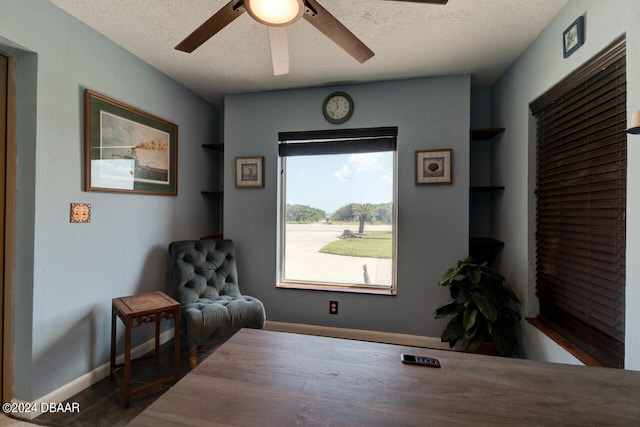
{"x": 9, "y": 164}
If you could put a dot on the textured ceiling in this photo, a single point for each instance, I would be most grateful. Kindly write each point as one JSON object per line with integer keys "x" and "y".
{"x": 477, "y": 37}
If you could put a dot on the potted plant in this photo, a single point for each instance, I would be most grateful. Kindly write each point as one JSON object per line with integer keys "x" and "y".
{"x": 484, "y": 309}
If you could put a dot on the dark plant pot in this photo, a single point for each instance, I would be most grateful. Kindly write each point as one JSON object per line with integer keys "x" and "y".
{"x": 488, "y": 348}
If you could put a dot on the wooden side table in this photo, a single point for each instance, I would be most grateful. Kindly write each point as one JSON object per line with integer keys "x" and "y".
{"x": 136, "y": 310}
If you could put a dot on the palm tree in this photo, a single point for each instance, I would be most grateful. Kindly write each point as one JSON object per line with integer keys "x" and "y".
{"x": 363, "y": 211}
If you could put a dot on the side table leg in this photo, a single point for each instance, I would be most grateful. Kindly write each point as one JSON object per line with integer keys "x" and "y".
{"x": 112, "y": 364}
{"x": 176, "y": 344}
{"x": 127, "y": 362}
{"x": 157, "y": 348}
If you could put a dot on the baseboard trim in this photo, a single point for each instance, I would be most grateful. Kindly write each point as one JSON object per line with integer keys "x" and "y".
{"x": 358, "y": 334}
{"x": 72, "y": 388}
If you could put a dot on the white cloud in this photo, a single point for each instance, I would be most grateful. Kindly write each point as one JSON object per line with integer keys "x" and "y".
{"x": 365, "y": 162}
{"x": 359, "y": 163}
{"x": 343, "y": 174}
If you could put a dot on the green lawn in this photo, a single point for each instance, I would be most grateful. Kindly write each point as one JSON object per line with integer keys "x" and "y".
{"x": 376, "y": 244}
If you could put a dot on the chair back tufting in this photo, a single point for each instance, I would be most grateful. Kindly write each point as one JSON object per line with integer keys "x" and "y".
{"x": 203, "y": 269}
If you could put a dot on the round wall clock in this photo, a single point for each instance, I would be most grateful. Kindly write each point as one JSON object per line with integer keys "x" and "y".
{"x": 337, "y": 107}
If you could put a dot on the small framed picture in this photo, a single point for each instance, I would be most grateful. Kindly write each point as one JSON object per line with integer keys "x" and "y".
{"x": 434, "y": 166}
{"x": 573, "y": 37}
{"x": 250, "y": 172}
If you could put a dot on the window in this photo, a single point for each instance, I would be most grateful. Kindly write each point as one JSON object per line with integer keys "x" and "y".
{"x": 338, "y": 216}
{"x": 581, "y": 206}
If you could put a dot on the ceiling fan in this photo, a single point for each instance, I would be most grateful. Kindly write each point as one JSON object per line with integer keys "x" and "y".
{"x": 277, "y": 15}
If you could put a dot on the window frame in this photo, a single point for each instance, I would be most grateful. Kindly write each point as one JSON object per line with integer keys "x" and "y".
{"x": 336, "y": 141}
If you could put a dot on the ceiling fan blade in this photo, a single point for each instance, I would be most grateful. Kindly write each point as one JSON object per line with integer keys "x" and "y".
{"x": 217, "y": 22}
{"x": 320, "y": 18}
{"x": 424, "y": 1}
{"x": 279, "y": 43}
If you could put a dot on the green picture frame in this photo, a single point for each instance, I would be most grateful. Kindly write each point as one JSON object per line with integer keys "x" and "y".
{"x": 128, "y": 150}
{"x": 573, "y": 37}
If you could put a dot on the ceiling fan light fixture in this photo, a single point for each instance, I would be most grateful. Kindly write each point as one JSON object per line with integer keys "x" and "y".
{"x": 276, "y": 13}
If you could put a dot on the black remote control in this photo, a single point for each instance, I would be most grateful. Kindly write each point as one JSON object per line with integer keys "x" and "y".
{"x": 419, "y": 360}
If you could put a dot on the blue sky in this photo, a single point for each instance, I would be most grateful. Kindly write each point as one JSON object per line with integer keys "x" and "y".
{"x": 330, "y": 182}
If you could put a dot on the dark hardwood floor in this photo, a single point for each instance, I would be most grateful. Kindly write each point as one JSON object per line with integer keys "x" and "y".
{"x": 101, "y": 404}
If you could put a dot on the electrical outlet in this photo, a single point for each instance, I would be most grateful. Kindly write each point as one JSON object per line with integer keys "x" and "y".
{"x": 333, "y": 307}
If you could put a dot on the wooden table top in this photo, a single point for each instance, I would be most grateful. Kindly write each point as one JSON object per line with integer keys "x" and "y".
{"x": 261, "y": 377}
{"x": 146, "y": 303}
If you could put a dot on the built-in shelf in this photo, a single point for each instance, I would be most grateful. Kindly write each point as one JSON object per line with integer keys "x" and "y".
{"x": 486, "y": 242}
{"x": 485, "y": 189}
{"x": 485, "y": 134}
{"x": 483, "y": 249}
{"x": 216, "y": 147}
{"x": 212, "y": 237}
{"x": 215, "y": 197}
{"x": 212, "y": 193}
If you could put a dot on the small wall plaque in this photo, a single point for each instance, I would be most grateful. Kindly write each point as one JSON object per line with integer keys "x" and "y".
{"x": 80, "y": 212}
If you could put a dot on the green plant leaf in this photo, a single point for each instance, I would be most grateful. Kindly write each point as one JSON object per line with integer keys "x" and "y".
{"x": 511, "y": 295}
{"x": 488, "y": 310}
{"x": 503, "y": 338}
{"x": 453, "y": 331}
{"x": 474, "y": 276}
{"x": 469, "y": 319}
{"x": 448, "y": 309}
{"x": 473, "y": 341}
{"x": 449, "y": 277}
{"x": 515, "y": 315}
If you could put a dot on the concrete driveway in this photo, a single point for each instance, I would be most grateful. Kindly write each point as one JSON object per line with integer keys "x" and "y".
{"x": 305, "y": 262}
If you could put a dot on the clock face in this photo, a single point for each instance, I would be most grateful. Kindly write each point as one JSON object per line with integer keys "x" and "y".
{"x": 338, "y": 107}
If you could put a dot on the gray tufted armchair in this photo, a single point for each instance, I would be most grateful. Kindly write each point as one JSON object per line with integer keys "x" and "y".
{"x": 204, "y": 279}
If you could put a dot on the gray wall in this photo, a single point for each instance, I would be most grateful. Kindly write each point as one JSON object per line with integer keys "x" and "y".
{"x": 67, "y": 274}
{"x": 432, "y": 220}
{"x": 537, "y": 70}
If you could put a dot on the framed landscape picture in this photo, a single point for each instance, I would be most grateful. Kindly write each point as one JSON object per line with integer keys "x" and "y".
{"x": 249, "y": 172}
{"x": 434, "y": 167}
{"x": 128, "y": 150}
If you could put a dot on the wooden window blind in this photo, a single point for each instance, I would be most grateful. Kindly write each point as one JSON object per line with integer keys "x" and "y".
{"x": 581, "y": 189}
